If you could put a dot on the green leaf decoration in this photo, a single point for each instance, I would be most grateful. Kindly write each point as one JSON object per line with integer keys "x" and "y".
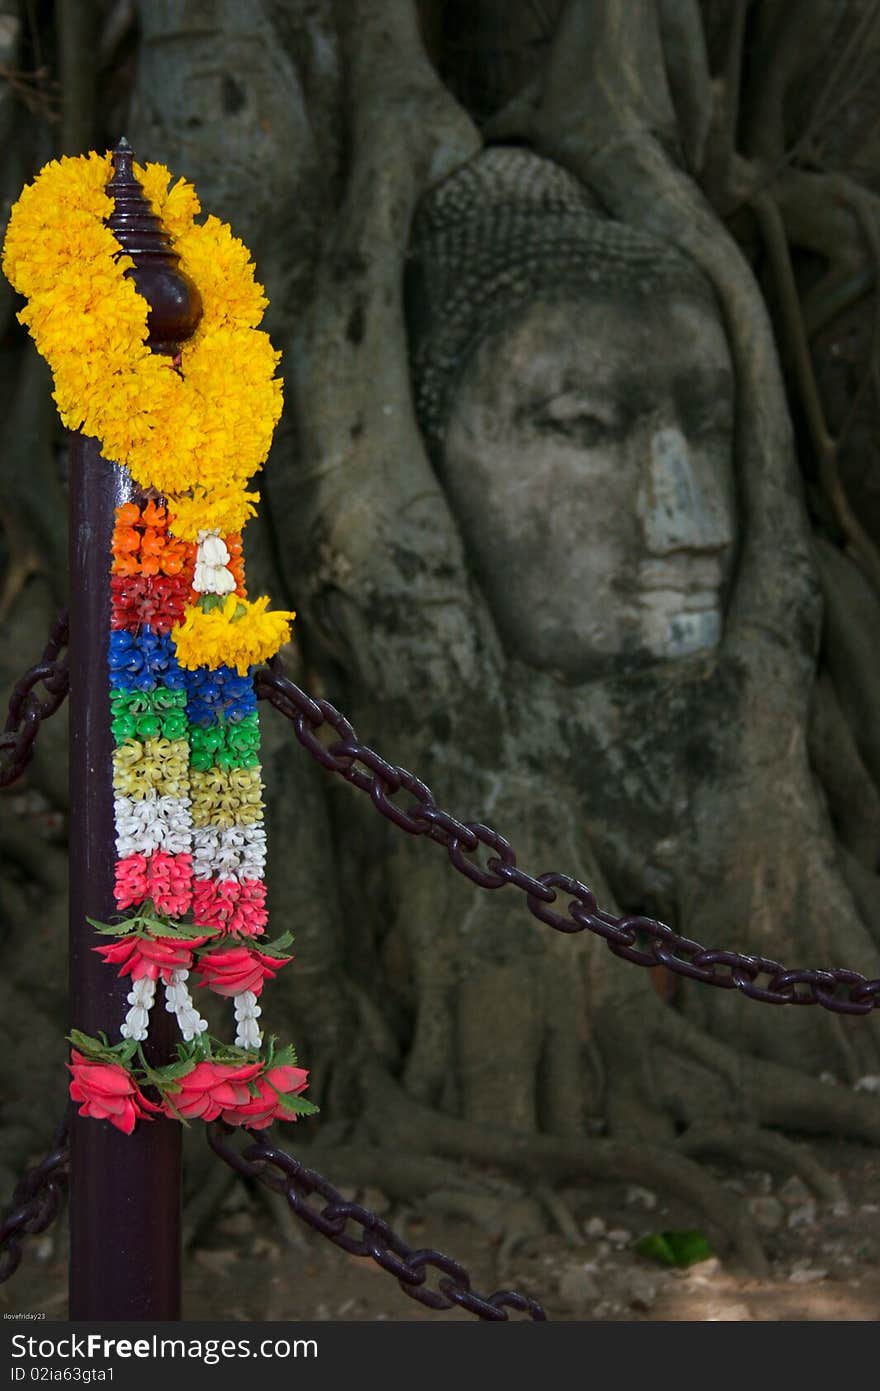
{"x": 173, "y": 1071}
{"x": 83, "y": 1043}
{"x": 186, "y": 932}
{"x": 297, "y": 1105}
{"x": 678, "y": 1249}
{"x": 207, "y": 602}
{"x": 278, "y": 947}
{"x": 100, "y": 1048}
{"x": 115, "y": 931}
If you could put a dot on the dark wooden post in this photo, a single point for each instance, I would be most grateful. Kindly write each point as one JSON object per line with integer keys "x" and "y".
{"x": 124, "y": 1190}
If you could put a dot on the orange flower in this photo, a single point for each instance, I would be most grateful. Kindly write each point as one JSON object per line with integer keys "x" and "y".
{"x": 126, "y": 564}
{"x": 153, "y": 542}
{"x": 173, "y": 560}
{"x": 235, "y": 563}
{"x": 126, "y": 538}
{"x": 154, "y": 515}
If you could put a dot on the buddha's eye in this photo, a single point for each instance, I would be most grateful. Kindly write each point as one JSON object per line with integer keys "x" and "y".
{"x": 712, "y": 425}
{"x": 703, "y": 416}
{"x": 581, "y": 428}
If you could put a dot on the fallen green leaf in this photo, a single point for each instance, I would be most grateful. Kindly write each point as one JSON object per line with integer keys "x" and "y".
{"x": 675, "y": 1248}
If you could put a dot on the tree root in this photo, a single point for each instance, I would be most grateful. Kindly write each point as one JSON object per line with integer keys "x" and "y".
{"x": 290, "y": 1231}
{"x": 550, "y": 1158}
{"x": 771, "y": 1094}
{"x": 748, "y": 1145}
{"x": 559, "y": 1210}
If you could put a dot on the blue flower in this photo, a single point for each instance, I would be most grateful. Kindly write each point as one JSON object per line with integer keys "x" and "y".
{"x": 140, "y": 661}
{"x": 215, "y": 693}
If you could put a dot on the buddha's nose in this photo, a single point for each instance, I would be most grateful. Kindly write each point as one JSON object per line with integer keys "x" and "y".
{"x": 685, "y": 502}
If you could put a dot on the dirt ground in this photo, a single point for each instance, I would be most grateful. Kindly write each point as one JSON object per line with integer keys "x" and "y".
{"x": 256, "y": 1262}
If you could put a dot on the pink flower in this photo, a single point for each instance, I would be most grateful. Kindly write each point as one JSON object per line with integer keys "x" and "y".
{"x": 131, "y": 881}
{"x": 170, "y": 879}
{"x": 238, "y": 969}
{"x": 107, "y": 1092}
{"x": 230, "y": 905}
{"x": 260, "y": 1111}
{"x": 209, "y": 1088}
{"x": 150, "y": 956}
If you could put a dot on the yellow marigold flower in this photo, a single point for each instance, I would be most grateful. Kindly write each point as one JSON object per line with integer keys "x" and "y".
{"x": 206, "y": 427}
{"x": 225, "y": 510}
{"x": 174, "y": 206}
{"x": 222, "y": 268}
{"x": 237, "y": 633}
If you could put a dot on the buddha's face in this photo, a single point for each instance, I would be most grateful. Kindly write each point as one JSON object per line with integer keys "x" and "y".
{"x": 589, "y": 463}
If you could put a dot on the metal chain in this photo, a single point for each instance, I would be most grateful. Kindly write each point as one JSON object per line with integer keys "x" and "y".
{"x": 276, "y": 1169}
{"x": 35, "y": 1202}
{"x": 27, "y": 711}
{"x": 37, "y": 1197}
{"x": 643, "y": 941}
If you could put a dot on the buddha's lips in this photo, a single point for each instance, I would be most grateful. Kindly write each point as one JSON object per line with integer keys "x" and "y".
{"x": 686, "y": 600}
{"x": 691, "y": 579}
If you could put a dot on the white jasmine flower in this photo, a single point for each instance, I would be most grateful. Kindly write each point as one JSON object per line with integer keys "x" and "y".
{"x": 152, "y": 823}
{"x": 213, "y": 579}
{"x": 211, "y": 548}
{"x": 212, "y": 558}
{"x": 178, "y": 1001}
{"x": 230, "y": 852}
{"x": 141, "y": 997}
{"x": 247, "y": 1011}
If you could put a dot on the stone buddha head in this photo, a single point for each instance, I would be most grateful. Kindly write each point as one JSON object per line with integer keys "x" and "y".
{"x": 575, "y": 388}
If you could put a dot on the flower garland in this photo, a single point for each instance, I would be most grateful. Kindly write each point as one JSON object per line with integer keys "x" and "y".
{"x": 184, "y": 638}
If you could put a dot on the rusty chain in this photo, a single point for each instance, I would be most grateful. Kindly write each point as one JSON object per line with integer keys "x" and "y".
{"x": 37, "y": 1198}
{"x": 643, "y": 941}
{"x": 275, "y": 1169}
{"x": 27, "y": 711}
{"x": 35, "y": 1202}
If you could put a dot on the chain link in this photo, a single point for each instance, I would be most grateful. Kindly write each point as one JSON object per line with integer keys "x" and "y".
{"x": 263, "y": 1161}
{"x": 35, "y": 1202}
{"x": 27, "y": 711}
{"x": 643, "y": 941}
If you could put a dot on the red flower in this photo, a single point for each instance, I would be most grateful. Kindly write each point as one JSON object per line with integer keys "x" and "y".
{"x": 238, "y": 969}
{"x": 260, "y": 1111}
{"x": 150, "y": 956}
{"x": 166, "y": 879}
{"x": 209, "y": 1088}
{"x": 231, "y": 906}
{"x": 156, "y": 600}
{"x": 107, "y": 1092}
{"x": 171, "y": 882}
{"x": 131, "y": 881}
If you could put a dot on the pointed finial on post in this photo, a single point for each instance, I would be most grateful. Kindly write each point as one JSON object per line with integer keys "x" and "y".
{"x": 174, "y": 300}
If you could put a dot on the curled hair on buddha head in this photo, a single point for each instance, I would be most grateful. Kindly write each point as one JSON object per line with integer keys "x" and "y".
{"x": 505, "y": 229}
